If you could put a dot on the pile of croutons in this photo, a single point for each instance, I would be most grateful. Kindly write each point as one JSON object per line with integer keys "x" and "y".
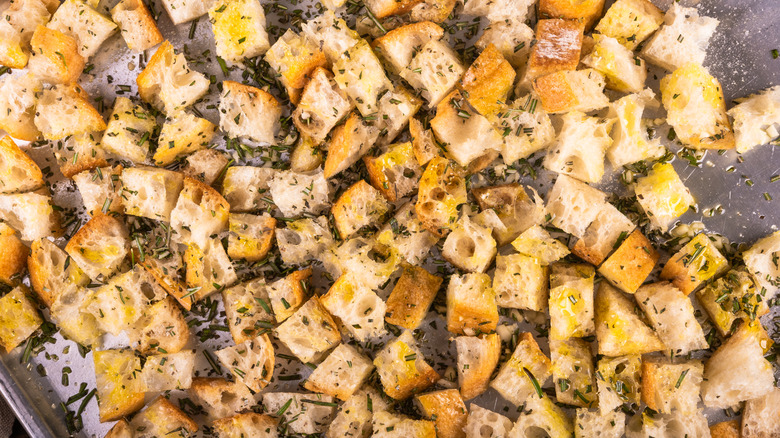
{"x": 400, "y": 183}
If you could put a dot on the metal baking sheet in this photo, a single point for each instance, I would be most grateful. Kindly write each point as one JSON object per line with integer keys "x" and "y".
{"x": 739, "y": 55}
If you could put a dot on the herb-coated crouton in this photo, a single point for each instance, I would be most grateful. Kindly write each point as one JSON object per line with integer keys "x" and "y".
{"x": 406, "y": 236}
{"x": 631, "y": 263}
{"x": 20, "y": 173}
{"x": 17, "y": 106}
{"x": 580, "y": 147}
{"x": 361, "y": 76}
{"x": 294, "y": 57}
{"x": 119, "y": 385}
{"x": 182, "y": 11}
{"x": 388, "y": 425}
{"x": 734, "y": 296}
{"x": 671, "y": 314}
{"x": 486, "y": 423}
{"x": 557, "y": 48}
{"x": 695, "y": 263}
{"x": 31, "y": 214}
{"x": 252, "y": 361}
{"x": 64, "y": 110}
{"x": 150, "y": 192}
{"x": 304, "y": 413}
{"x": 162, "y": 418}
{"x": 488, "y": 81}
{"x": 398, "y": 46}
{"x": 358, "y": 307}
{"x": 498, "y": 11}
{"x": 209, "y": 269}
{"x": 359, "y": 206}
{"x": 520, "y": 282}
{"x": 760, "y": 416}
{"x": 331, "y": 34}
{"x": 84, "y": 24}
{"x": 239, "y": 29}
{"x": 668, "y": 386}
{"x": 618, "y": 380}
{"x": 674, "y": 424}
{"x": 19, "y": 318}
{"x": 251, "y": 236}
{"x": 51, "y": 271}
{"x": 471, "y": 304}
{"x": 163, "y": 372}
{"x": 394, "y": 173}
{"x": 683, "y": 38}
{"x": 100, "y": 246}
{"x": 622, "y": 70}
{"x": 247, "y": 424}
{"x": 348, "y": 142}
{"x": 207, "y": 165}
{"x": 542, "y": 413}
{"x": 433, "y": 71}
{"x": 248, "y": 309}
{"x": 128, "y": 131}
{"x": 309, "y": 332}
{"x": 619, "y": 330}
{"x": 298, "y": 193}
{"x": 304, "y": 239}
{"x": 161, "y": 327}
{"x": 13, "y": 256}
{"x": 168, "y": 83}
{"x": 17, "y": 24}
{"x": 446, "y": 409}
{"x": 355, "y": 414}
{"x": 101, "y": 190}
{"x": 80, "y": 153}
{"x": 573, "y": 372}
{"x": 322, "y": 104}
{"x": 514, "y": 207}
{"x": 571, "y": 301}
{"x": 220, "y": 398}
{"x": 589, "y": 423}
{"x": 181, "y": 135}
{"x": 442, "y": 190}
{"x": 570, "y": 90}
{"x": 756, "y": 119}
{"x": 341, "y": 373}
{"x": 470, "y": 246}
{"x": 246, "y": 188}
{"x": 574, "y": 205}
{"x": 759, "y": 260}
{"x": 512, "y": 37}
{"x": 630, "y": 21}
{"x": 527, "y": 368}
{"x": 136, "y": 24}
{"x": 525, "y": 127}
{"x": 402, "y": 368}
{"x": 411, "y": 297}
{"x": 477, "y": 359}
{"x": 536, "y": 242}
{"x": 200, "y": 213}
{"x": 603, "y": 235}
{"x": 631, "y": 142}
{"x": 248, "y": 112}
{"x": 55, "y": 56}
{"x": 663, "y": 196}
{"x": 587, "y": 11}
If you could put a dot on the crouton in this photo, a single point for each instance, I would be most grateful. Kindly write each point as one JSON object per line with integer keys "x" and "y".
{"x": 580, "y": 147}
{"x": 358, "y": 308}
{"x": 485, "y": 423}
{"x": 252, "y": 361}
{"x": 630, "y": 21}
{"x": 341, "y": 373}
{"x": 398, "y": 47}
{"x": 208, "y": 269}
{"x": 514, "y": 207}
{"x": 84, "y": 24}
{"x": 756, "y": 119}
{"x": 361, "y": 76}
{"x": 288, "y": 294}
{"x": 246, "y": 187}
{"x": 683, "y": 38}
{"x": 564, "y": 91}
{"x": 19, "y": 318}
{"x": 359, "y": 206}
{"x": 17, "y": 106}
{"x": 220, "y": 398}
{"x": 294, "y": 57}
{"x": 247, "y": 424}
{"x": 618, "y": 380}
{"x": 542, "y": 414}
{"x": 64, "y": 110}
{"x": 631, "y": 142}
{"x": 207, "y": 165}
{"x": 31, "y": 214}
{"x": 303, "y": 239}
{"x": 604, "y": 235}
{"x": 477, "y": 359}
{"x": 200, "y": 213}
{"x": 663, "y": 425}
{"x": 488, "y": 81}
{"x": 150, "y": 192}
{"x": 402, "y": 368}
{"x": 182, "y": 11}
{"x": 470, "y": 246}
{"x": 631, "y": 263}
{"x": 248, "y": 112}
{"x": 17, "y": 25}
{"x": 181, "y": 135}
{"x": 118, "y": 383}
{"x": 525, "y": 128}
{"x": 163, "y": 372}
{"x": 302, "y": 413}
{"x": 321, "y": 106}
{"x": 354, "y": 417}
{"x": 696, "y": 109}
{"x": 433, "y": 71}
{"x": 423, "y": 143}
{"x": 511, "y": 37}
{"x": 622, "y": 70}
{"x": 520, "y": 282}
{"x": 387, "y": 425}
{"x": 446, "y": 409}
{"x": 251, "y": 236}
{"x": 100, "y": 246}
{"x": 759, "y": 262}
{"x": 663, "y": 196}
{"x": 348, "y": 142}
{"x": 571, "y": 301}
{"x": 386, "y": 8}
{"x": 671, "y": 314}
{"x": 79, "y": 153}
{"x": 411, "y": 297}
{"x": 619, "y": 330}
{"x": 442, "y": 190}
{"x": 161, "y": 327}
{"x": 498, "y": 11}
{"x": 668, "y": 386}
{"x": 526, "y": 369}
{"x": 19, "y": 172}
{"x": 55, "y": 56}
{"x": 574, "y": 205}
{"x": 248, "y": 309}
{"x": 471, "y": 305}
{"x": 309, "y": 332}
{"x": 734, "y": 296}
{"x": 759, "y": 419}
{"x": 694, "y": 264}
{"x": 589, "y": 424}
{"x": 51, "y": 271}
{"x": 298, "y": 193}
{"x": 357, "y": 256}
{"x": 587, "y": 11}
{"x": 557, "y": 48}
{"x": 331, "y": 34}
{"x": 573, "y": 372}
{"x": 239, "y": 29}
{"x": 394, "y": 173}
{"x": 168, "y": 83}
{"x": 395, "y": 108}
{"x": 101, "y": 190}
{"x": 536, "y": 242}
{"x": 162, "y": 418}
{"x": 13, "y": 256}
{"x": 136, "y": 24}
{"x": 433, "y": 10}
{"x": 725, "y": 429}
{"x": 128, "y": 131}
{"x": 68, "y": 311}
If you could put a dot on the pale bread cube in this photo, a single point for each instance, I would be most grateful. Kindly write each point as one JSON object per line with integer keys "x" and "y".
{"x": 433, "y": 71}
{"x": 758, "y": 260}
{"x": 162, "y": 418}
{"x": 31, "y": 214}
{"x": 361, "y": 76}
{"x": 168, "y": 83}
{"x": 288, "y": 294}
{"x": 355, "y": 256}
{"x": 624, "y": 71}
{"x": 513, "y": 382}
{"x": 163, "y": 372}
{"x": 348, "y": 142}
{"x": 619, "y": 330}
{"x": 571, "y": 301}
{"x": 573, "y": 372}
{"x": 671, "y": 386}
{"x": 471, "y": 304}
{"x": 694, "y": 264}
{"x": 470, "y": 246}
{"x": 182, "y": 11}
{"x": 75, "y": 323}
{"x": 305, "y": 413}
{"x": 558, "y": 46}
{"x": 341, "y": 373}
{"x": 182, "y": 135}
{"x": 239, "y": 29}
{"x": 17, "y": 106}
{"x": 119, "y": 386}
{"x": 128, "y": 131}
{"x": 304, "y": 239}
{"x": 594, "y": 424}
{"x": 667, "y": 425}
{"x": 398, "y": 46}
{"x": 298, "y": 193}
{"x": 760, "y": 416}
{"x": 483, "y": 423}
{"x": 251, "y": 362}
{"x": 361, "y": 205}
{"x": 200, "y": 213}
{"x": 571, "y": 90}
{"x": 309, "y": 332}
{"x": 331, "y": 34}
{"x": 606, "y": 234}
{"x": 50, "y": 276}
{"x": 447, "y": 411}
{"x": 100, "y": 246}
{"x": 359, "y": 308}
{"x": 64, "y": 110}
{"x": 207, "y": 165}
{"x": 246, "y": 188}
{"x": 630, "y": 141}
{"x": 411, "y": 297}
{"x": 209, "y": 268}
{"x": 20, "y": 173}
{"x": 387, "y": 425}
{"x": 220, "y": 398}
{"x": 525, "y": 127}
{"x": 536, "y": 242}
{"x": 442, "y": 189}
{"x": 251, "y": 236}
{"x": 683, "y": 38}
{"x": 248, "y": 309}
{"x": 402, "y": 368}
{"x": 631, "y": 263}
{"x": 542, "y": 414}
{"x": 293, "y": 57}
{"x": 512, "y": 37}
{"x": 19, "y": 318}
{"x": 136, "y": 24}
{"x": 520, "y": 282}
{"x": 394, "y": 173}
{"x": 630, "y": 21}
{"x": 394, "y": 110}
{"x": 18, "y": 22}
{"x": 423, "y": 143}
{"x": 355, "y": 414}
{"x": 322, "y": 104}
{"x": 670, "y": 313}
{"x": 88, "y": 27}
{"x": 248, "y": 112}
{"x": 161, "y": 328}
{"x": 150, "y": 192}
{"x": 80, "y": 153}
{"x": 101, "y": 190}
{"x": 756, "y": 119}
{"x": 477, "y": 359}
{"x": 663, "y": 196}
{"x": 574, "y": 205}
{"x": 580, "y": 148}
{"x": 498, "y": 11}
{"x": 619, "y": 381}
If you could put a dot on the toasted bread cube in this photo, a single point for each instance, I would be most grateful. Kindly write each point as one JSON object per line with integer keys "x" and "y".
{"x": 64, "y": 110}
{"x": 247, "y": 424}
{"x": 19, "y": 171}
{"x": 220, "y": 398}
{"x": 136, "y": 24}
{"x": 163, "y": 372}
{"x": 162, "y": 418}
{"x": 511, "y": 37}
{"x": 359, "y": 206}
{"x": 433, "y": 71}
{"x": 248, "y": 112}
{"x": 514, "y": 207}
{"x": 84, "y": 24}
{"x": 759, "y": 262}
{"x": 663, "y": 196}
{"x": 631, "y": 263}
{"x": 309, "y": 332}
{"x": 304, "y": 413}
{"x": 760, "y": 416}
{"x": 446, "y": 409}
{"x": 101, "y": 190}
{"x": 182, "y": 11}
{"x": 51, "y": 272}
{"x": 630, "y": 141}
{"x": 355, "y": 256}
{"x": 564, "y": 91}
{"x": 606, "y": 233}
{"x": 580, "y": 148}
{"x": 623, "y": 71}
{"x": 484, "y": 423}
{"x": 468, "y": 136}
{"x": 17, "y": 24}
{"x": 248, "y": 309}
{"x": 442, "y": 190}
{"x": 668, "y": 386}
{"x": 331, "y": 34}
{"x": 361, "y": 76}
{"x": 69, "y": 313}
{"x": 737, "y": 371}
{"x": 119, "y": 303}
{"x": 17, "y": 106}
{"x": 734, "y": 296}
{"x": 663, "y": 425}
{"x": 488, "y": 81}
{"x": 100, "y": 246}
{"x": 19, "y": 318}
{"x": 573, "y": 372}
{"x": 694, "y": 264}
{"x": 525, "y": 128}
{"x": 245, "y": 187}
{"x": 395, "y": 109}
{"x": 527, "y": 364}
{"x": 498, "y": 11}
{"x": 388, "y": 425}
{"x": 341, "y": 373}
{"x": 683, "y": 38}
{"x": 696, "y": 109}
{"x": 619, "y": 330}
{"x": 207, "y": 165}
{"x": 150, "y": 192}
{"x": 587, "y": 11}
{"x": 298, "y": 193}
{"x": 520, "y": 282}
{"x": 168, "y": 83}
{"x": 304, "y": 239}
{"x": 55, "y": 56}
{"x": 574, "y": 205}
{"x": 411, "y": 297}
{"x": 294, "y": 57}
{"x": 321, "y": 106}
{"x": 630, "y": 21}
{"x": 398, "y": 46}
{"x": 251, "y": 236}
{"x": 348, "y": 142}
{"x": 182, "y": 135}
{"x": 288, "y": 294}
{"x": 725, "y": 429}
{"x": 618, "y": 380}
{"x": 405, "y": 235}
{"x": 557, "y": 48}
{"x": 589, "y": 423}
{"x": 571, "y": 301}
{"x": 536, "y": 242}
{"x": 756, "y": 119}
{"x": 671, "y": 314}
{"x": 209, "y": 269}
{"x": 542, "y": 414}
{"x": 13, "y": 256}
{"x": 118, "y": 382}
{"x": 470, "y": 246}
{"x": 128, "y": 131}
{"x": 358, "y": 308}
{"x": 200, "y": 213}
{"x": 31, "y": 214}
{"x": 79, "y": 153}
{"x": 386, "y": 8}
{"x": 252, "y": 361}
{"x": 477, "y": 359}
{"x": 161, "y": 327}
{"x": 471, "y": 305}
{"x": 433, "y": 10}
{"x": 354, "y": 417}
{"x": 396, "y": 172}
{"x": 402, "y": 368}
{"x": 239, "y": 29}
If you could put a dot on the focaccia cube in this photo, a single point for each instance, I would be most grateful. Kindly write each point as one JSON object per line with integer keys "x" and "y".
{"x": 488, "y": 81}
{"x": 19, "y": 318}
{"x": 13, "y": 256}
{"x": 396, "y": 172}
{"x": 484, "y": 422}
{"x": 389, "y": 425}
{"x": 603, "y": 236}
{"x": 442, "y": 190}
{"x": 17, "y": 24}
{"x": 513, "y": 206}
{"x": 304, "y": 239}
{"x": 119, "y": 385}
{"x": 572, "y": 90}
{"x": 164, "y": 372}
{"x": 294, "y": 57}
{"x": 471, "y": 304}
{"x": 182, "y": 11}
{"x": 332, "y": 34}
{"x": 251, "y": 362}
{"x": 512, "y": 37}
{"x": 305, "y": 413}
{"x": 536, "y": 242}
{"x": 248, "y": 309}
{"x": 736, "y": 295}
{"x": 356, "y": 413}
{"x": 161, "y": 328}
{"x": 207, "y": 165}
{"x": 21, "y": 173}
{"x": 574, "y": 205}
{"x": 220, "y": 398}
{"x": 587, "y": 11}
{"x": 573, "y": 372}
{"x": 348, "y": 142}
{"x": 623, "y": 71}
{"x": 31, "y": 214}
{"x": 248, "y": 424}
{"x": 411, "y": 297}
{"x": 756, "y": 119}
{"x": 182, "y": 135}
{"x": 298, "y": 193}
{"x": 101, "y": 190}
{"x": 359, "y": 308}
{"x": 589, "y": 423}
{"x": 525, "y": 127}
{"x": 361, "y": 205}
{"x": 542, "y": 414}
{"x": 80, "y": 153}
{"x": 470, "y": 246}
{"x": 18, "y": 97}
{"x": 520, "y": 282}
{"x": 55, "y": 56}
{"x": 251, "y": 236}
{"x": 558, "y": 46}
{"x": 200, "y": 213}
{"x": 398, "y": 46}
{"x": 359, "y": 73}
{"x": 209, "y": 268}
{"x": 631, "y": 143}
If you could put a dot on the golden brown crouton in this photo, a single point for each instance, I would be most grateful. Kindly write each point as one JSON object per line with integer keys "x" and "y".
{"x": 55, "y": 56}
{"x": 695, "y": 263}
{"x": 488, "y": 81}
{"x": 630, "y": 265}
{"x": 442, "y": 190}
{"x": 585, "y": 11}
{"x": 447, "y": 410}
{"x": 13, "y": 255}
{"x": 558, "y": 45}
{"x": 411, "y": 297}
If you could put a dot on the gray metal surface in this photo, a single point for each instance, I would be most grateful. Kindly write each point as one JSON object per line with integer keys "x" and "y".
{"x": 740, "y": 56}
